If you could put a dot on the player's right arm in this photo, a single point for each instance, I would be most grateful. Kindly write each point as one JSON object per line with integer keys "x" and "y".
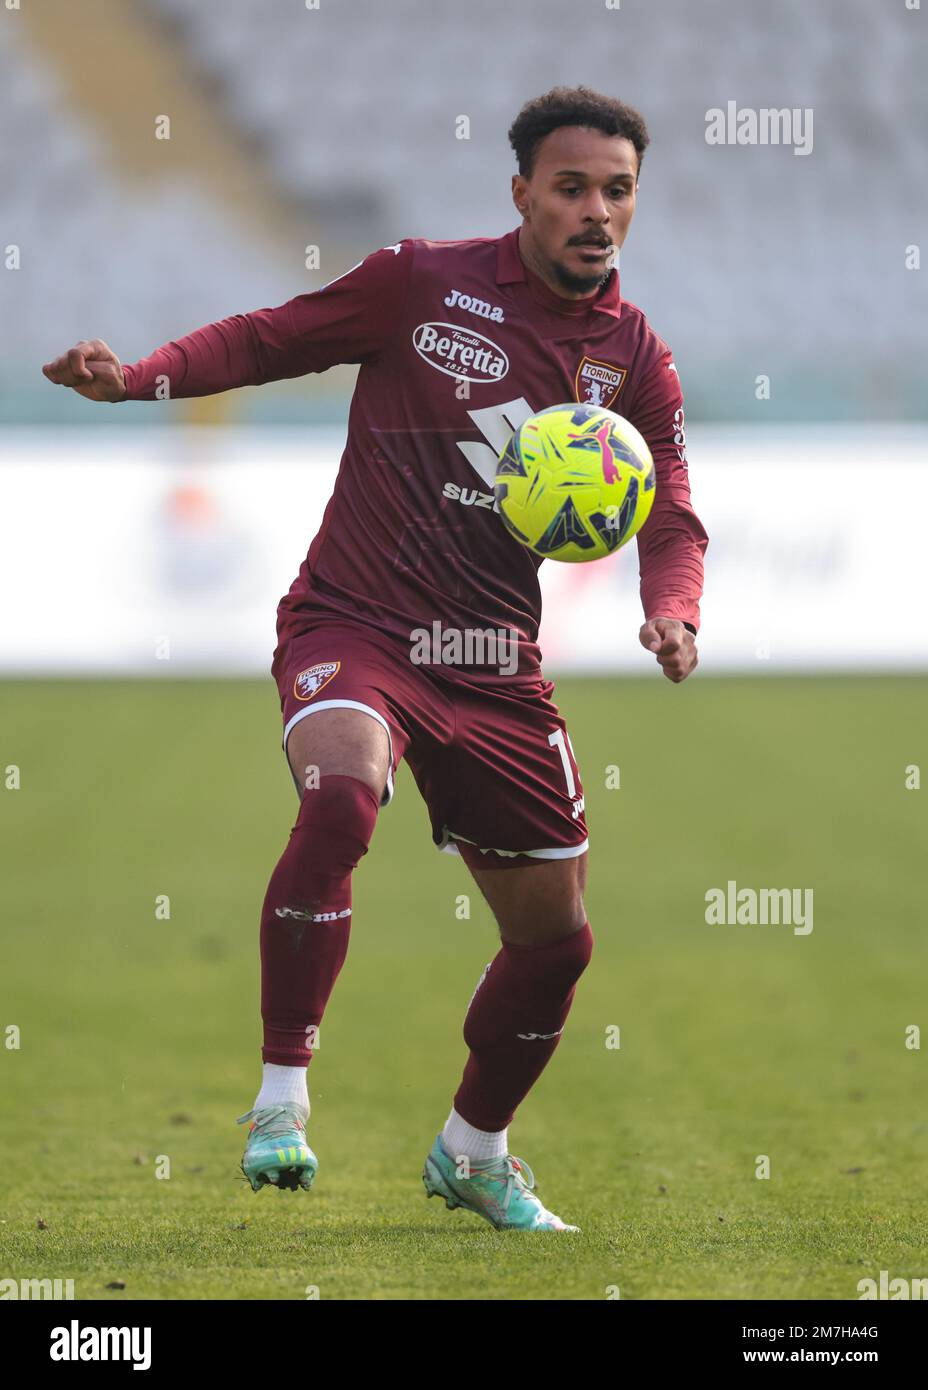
{"x": 349, "y": 320}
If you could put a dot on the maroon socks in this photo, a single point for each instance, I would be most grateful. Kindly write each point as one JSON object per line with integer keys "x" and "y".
{"x": 306, "y": 919}
{"x": 514, "y": 1023}
{"x": 515, "y": 1018}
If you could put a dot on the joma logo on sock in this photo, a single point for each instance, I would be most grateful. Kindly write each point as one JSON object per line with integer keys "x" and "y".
{"x": 303, "y": 914}
{"x": 530, "y": 1037}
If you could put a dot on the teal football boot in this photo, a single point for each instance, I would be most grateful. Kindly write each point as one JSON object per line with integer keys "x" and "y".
{"x": 500, "y": 1191}
{"x": 277, "y": 1151}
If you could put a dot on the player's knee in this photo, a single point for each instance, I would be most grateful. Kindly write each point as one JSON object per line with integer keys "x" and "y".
{"x": 335, "y": 824}
{"x": 556, "y": 967}
{"x": 574, "y": 955}
{"x": 555, "y": 922}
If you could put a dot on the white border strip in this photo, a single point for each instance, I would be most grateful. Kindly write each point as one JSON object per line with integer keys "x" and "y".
{"x": 387, "y": 796}
{"x": 447, "y": 846}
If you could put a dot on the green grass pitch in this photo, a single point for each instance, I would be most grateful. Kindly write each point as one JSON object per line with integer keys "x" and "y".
{"x": 140, "y": 1037}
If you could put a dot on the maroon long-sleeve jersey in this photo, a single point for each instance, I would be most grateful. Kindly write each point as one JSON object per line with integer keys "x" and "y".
{"x": 458, "y": 342}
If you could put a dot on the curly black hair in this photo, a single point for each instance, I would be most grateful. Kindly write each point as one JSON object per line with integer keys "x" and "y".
{"x": 573, "y": 106}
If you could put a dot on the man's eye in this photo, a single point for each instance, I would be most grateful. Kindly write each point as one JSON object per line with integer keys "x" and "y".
{"x": 613, "y": 193}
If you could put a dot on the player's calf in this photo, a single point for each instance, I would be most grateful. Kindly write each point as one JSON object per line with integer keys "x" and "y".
{"x": 305, "y": 922}
{"x": 513, "y": 1026}
{"x": 305, "y": 925}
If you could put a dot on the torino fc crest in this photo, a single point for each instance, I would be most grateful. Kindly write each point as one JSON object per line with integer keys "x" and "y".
{"x": 309, "y": 682}
{"x": 598, "y": 383}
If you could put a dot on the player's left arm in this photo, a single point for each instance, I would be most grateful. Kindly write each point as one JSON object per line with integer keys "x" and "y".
{"x": 673, "y": 541}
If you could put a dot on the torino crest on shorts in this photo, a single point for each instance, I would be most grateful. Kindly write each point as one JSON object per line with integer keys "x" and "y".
{"x": 309, "y": 682}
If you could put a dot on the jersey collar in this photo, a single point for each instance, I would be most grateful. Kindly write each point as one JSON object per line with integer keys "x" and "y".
{"x": 510, "y": 267}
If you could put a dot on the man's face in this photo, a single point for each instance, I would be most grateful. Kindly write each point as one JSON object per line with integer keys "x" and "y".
{"x": 582, "y": 190}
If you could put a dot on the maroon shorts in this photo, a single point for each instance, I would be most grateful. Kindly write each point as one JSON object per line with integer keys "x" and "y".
{"x": 495, "y": 768}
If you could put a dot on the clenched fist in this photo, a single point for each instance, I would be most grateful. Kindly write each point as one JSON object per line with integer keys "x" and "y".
{"x": 673, "y": 645}
{"x": 91, "y": 369}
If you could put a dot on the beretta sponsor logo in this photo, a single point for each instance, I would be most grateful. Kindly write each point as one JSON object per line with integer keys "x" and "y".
{"x": 460, "y": 352}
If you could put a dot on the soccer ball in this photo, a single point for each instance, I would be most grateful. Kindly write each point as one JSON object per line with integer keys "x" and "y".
{"x": 575, "y": 482}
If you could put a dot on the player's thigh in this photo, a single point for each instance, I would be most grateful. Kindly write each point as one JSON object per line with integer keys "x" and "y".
{"x": 534, "y": 902}
{"x": 345, "y": 741}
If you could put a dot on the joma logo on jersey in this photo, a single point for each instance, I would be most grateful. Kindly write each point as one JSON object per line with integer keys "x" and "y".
{"x": 457, "y": 300}
{"x": 309, "y": 682}
{"x": 598, "y": 383}
{"x": 460, "y": 352}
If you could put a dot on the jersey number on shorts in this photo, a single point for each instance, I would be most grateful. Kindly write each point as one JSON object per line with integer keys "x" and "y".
{"x": 556, "y": 740}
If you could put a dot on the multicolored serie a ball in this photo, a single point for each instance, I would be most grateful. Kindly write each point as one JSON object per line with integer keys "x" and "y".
{"x": 575, "y": 482}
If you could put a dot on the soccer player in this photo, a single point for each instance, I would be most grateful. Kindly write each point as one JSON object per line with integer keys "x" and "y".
{"x": 458, "y": 343}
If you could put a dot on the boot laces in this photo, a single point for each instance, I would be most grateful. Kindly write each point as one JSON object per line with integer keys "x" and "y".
{"x": 274, "y": 1121}
{"x": 515, "y": 1170}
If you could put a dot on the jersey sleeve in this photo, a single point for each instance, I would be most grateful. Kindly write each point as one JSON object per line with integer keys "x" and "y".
{"x": 673, "y": 541}
{"x": 349, "y": 320}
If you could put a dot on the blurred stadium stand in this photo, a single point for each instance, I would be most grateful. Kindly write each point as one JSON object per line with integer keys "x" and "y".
{"x": 341, "y": 121}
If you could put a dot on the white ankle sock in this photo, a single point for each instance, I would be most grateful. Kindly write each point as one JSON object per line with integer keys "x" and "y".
{"x": 280, "y": 1084}
{"x": 480, "y": 1145}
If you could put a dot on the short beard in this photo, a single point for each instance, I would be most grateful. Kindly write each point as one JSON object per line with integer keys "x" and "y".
{"x": 578, "y": 284}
